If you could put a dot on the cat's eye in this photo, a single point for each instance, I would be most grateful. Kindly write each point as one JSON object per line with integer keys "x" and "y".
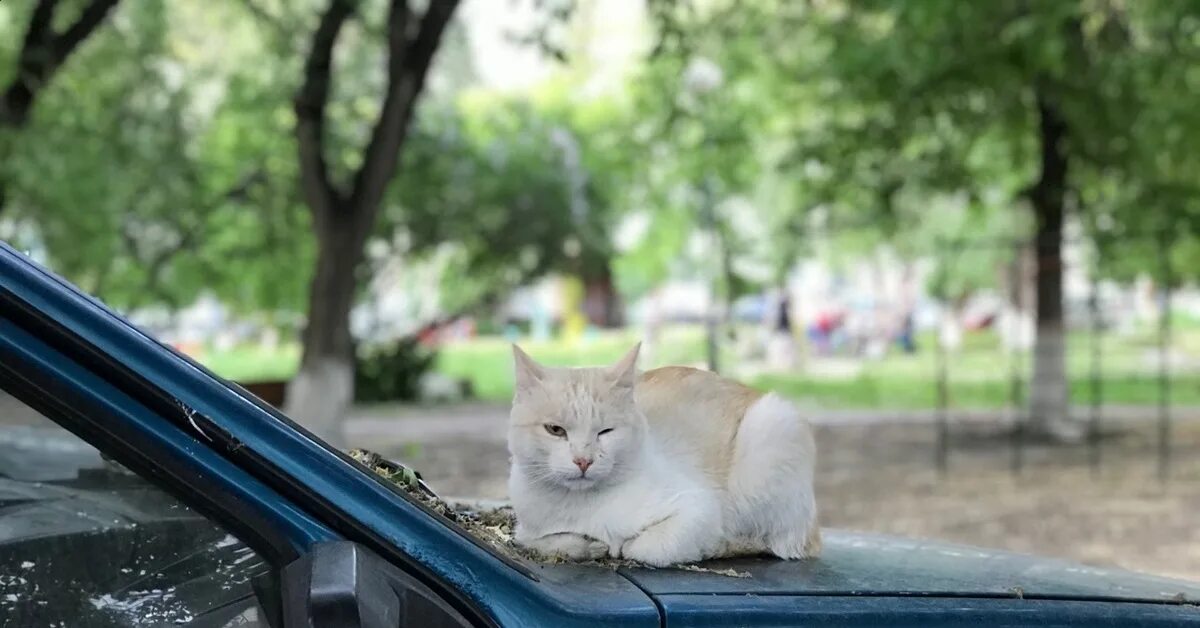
{"x": 604, "y": 431}
{"x": 556, "y": 430}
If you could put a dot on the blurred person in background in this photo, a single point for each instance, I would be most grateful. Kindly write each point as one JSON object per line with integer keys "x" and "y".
{"x": 781, "y": 344}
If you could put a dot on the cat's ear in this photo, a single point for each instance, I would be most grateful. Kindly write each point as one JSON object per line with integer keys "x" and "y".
{"x": 624, "y": 373}
{"x": 528, "y": 372}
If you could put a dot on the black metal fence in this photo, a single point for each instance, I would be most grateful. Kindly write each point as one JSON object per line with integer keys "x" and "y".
{"x": 1018, "y": 364}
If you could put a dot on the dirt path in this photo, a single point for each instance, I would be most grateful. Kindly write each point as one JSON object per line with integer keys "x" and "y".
{"x": 879, "y": 475}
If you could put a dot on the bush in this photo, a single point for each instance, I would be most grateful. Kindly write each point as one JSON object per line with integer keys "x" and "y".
{"x": 391, "y": 371}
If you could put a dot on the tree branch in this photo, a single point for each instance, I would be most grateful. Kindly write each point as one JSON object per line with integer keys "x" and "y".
{"x": 32, "y": 66}
{"x": 156, "y": 267}
{"x": 43, "y": 53}
{"x": 399, "y": 17}
{"x": 320, "y": 193}
{"x": 271, "y": 21}
{"x": 91, "y": 17}
{"x": 240, "y": 190}
{"x": 408, "y": 65}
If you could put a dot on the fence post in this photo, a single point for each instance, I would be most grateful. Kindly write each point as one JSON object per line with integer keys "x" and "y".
{"x": 1096, "y": 392}
{"x": 1015, "y": 363}
{"x": 708, "y": 220}
{"x": 942, "y": 454}
{"x": 1164, "y": 349}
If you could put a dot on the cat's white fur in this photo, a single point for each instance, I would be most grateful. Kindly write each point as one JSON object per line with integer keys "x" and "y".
{"x": 695, "y": 465}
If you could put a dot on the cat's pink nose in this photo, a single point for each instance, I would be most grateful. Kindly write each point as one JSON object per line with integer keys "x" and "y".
{"x": 583, "y": 464}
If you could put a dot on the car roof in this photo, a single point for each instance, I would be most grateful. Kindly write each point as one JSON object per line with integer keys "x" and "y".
{"x": 864, "y": 564}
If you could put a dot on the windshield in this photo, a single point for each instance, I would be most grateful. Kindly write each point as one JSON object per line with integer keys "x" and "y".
{"x": 84, "y": 541}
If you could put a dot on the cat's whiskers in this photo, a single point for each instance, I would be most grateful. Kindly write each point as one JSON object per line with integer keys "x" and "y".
{"x": 540, "y": 471}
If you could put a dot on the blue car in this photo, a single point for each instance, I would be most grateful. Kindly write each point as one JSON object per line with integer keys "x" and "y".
{"x": 138, "y": 489}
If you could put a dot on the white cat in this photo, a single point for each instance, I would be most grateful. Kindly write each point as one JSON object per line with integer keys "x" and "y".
{"x": 672, "y": 466}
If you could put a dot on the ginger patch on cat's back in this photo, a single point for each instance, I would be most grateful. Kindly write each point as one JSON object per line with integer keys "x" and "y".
{"x": 675, "y": 387}
{"x": 696, "y": 407}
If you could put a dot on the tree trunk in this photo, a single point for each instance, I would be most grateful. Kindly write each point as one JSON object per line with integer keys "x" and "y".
{"x": 4, "y": 155}
{"x": 324, "y": 386}
{"x": 601, "y": 303}
{"x": 951, "y": 326}
{"x": 708, "y": 221}
{"x": 1049, "y": 411}
{"x": 323, "y": 389}
{"x": 1019, "y": 283}
{"x": 728, "y": 279}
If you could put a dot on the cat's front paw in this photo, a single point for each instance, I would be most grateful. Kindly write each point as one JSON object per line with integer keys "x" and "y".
{"x": 592, "y": 550}
{"x": 569, "y": 545}
{"x": 652, "y": 549}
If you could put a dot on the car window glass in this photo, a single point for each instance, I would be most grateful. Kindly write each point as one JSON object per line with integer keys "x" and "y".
{"x": 86, "y": 542}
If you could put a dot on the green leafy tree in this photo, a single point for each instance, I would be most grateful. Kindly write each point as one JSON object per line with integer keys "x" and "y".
{"x": 140, "y": 192}
{"x": 54, "y": 30}
{"x": 517, "y": 187}
{"x": 1051, "y": 103}
{"x": 344, "y": 212}
{"x": 1053, "y": 90}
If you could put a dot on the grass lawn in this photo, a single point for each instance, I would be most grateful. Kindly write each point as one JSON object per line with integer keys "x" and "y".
{"x": 253, "y": 364}
{"x": 979, "y": 373}
{"x": 487, "y": 362}
{"x": 914, "y": 393}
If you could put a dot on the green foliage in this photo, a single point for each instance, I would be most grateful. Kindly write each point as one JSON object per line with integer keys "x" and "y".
{"x": 973, "y": 247}
{"x": 137, "y": 186}
{"x": 104, "y": 155}
{"x": 695, "y": 136}
{"x": 866, "y": 112}
{"x": 966, "y": 120}
{"x": 391, "y": 371}
{"x": 169, "y": 149}
{"x": 160, "y": 162}
{"x": 505, "y": 189}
